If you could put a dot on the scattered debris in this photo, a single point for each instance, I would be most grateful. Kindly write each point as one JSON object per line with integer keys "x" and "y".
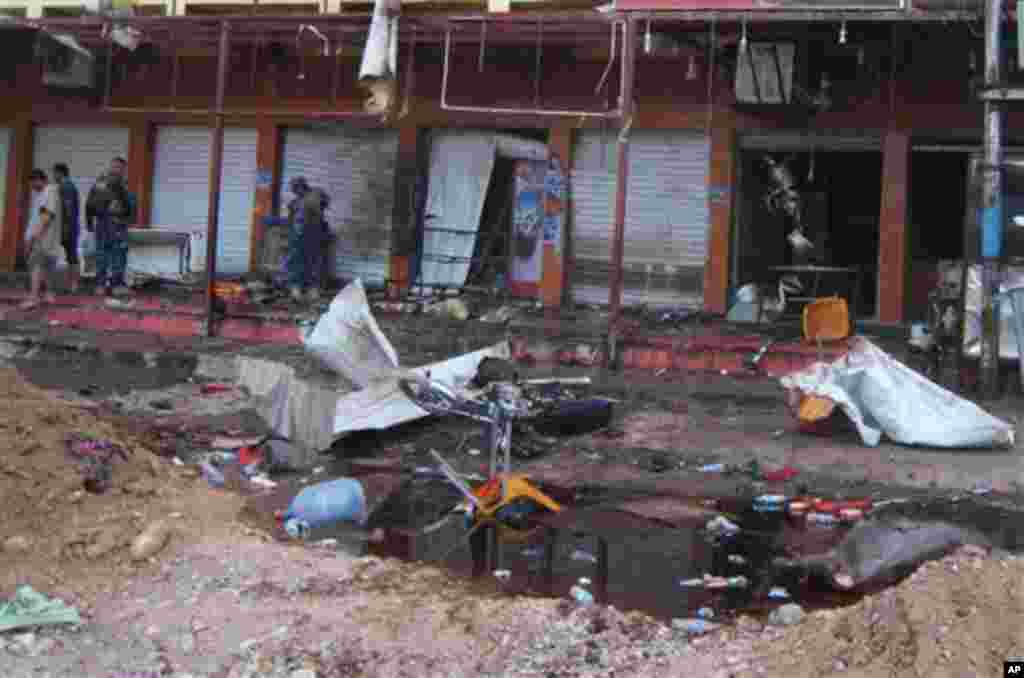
{"x": 151, "y": 541}
{"x": 789, "y": 614}
{"x": 29, "y": 608}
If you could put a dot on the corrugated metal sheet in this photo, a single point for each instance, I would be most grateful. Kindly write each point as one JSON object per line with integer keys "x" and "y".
{"x": 666, "y": 217}
{"x": 86, "y": 150}
{"x": 461, "y": 163}
{"x": 806, "y": 141}
{"x": 181, "y": 186}
{"x": 356, "y": 168}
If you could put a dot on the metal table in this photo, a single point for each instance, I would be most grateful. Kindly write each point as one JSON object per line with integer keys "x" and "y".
{"x": 818, "y": 272}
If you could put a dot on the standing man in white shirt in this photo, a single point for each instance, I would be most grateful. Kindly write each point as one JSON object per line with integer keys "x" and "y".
{"x": 43, "y": 240}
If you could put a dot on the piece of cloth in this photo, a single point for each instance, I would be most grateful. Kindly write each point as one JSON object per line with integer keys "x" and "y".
{"x": 37, "y": 200}
{"x": 46, "y": 239}
{"x": 30, "y": 608}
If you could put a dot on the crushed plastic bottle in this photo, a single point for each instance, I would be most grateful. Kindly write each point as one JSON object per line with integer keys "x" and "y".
{"x": 769, "y": 503}
{"x": 778, "y": 593}
{"x": 581, "y": 593}
{"x": 823, "y": 519}
{"x": 712, "y": 468}
{"x": 296, "y": 529}
{"x": 722, "y": 527}
{"x": 583, "y": 556}
{"x": 706, "y": 613}
{"x": 212, "y": 474}
{"x": 533, "y": 551}
{"x": 694, "y": 627}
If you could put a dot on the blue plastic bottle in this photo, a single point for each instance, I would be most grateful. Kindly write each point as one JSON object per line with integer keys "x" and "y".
{"x": 329, "y": 502}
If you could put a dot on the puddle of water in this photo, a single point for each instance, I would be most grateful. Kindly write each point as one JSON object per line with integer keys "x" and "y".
{"x": 648, "y": 561}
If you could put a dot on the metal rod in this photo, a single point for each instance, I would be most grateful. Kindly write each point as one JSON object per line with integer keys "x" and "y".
{"x": 270, "y": 112}
{"x": 108, "y": 85}
{"x": 483, "y": 46}
{"x": 216, "y": 165}
{"x": 622, "y": 176}
{"x": 612, "y": 51}
{"x": 991, "y": 217}
{"x": 493, "y": 110}
{"x": 537, "y": 64}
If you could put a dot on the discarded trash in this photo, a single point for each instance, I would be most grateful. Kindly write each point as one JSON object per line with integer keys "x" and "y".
{"x": 473, "y": 452}
{"x": 778, "y": 593}
{"x": 212, "y": 474}
{"x": 775, "y": 500}
{"x": 454, "y": 309}
{"x": 151, "y": 540}
{"x": 263, "y": 482}
{"x": 694, "y": 627}
{"x": 30, "y": 608}
{"x": 834, "y": 507}
{"x": 737, "y": 559}
{"x": 706, "y": 613}
{"x": 499, "y": 315}
{"x": 329, "y": 502}
{"x": 580, "y": 555}
{"x": 789, "y": 614}
{"x": 824, "y": 519}
{"x": 213, "y": 389}
{"x": 982, "y": 489}
{"x": 881, "y": 552}
{"x": 721, "y": 526}
{"x": 177, "y": 461}
{"x": 881, "y": 395}
{"x": 798, "y": 508}
{"x": 533, "y": 552}
{"x": 296, "y": 529}
{"x": 502, "y": 575}
{"x": 780, "y": 475}
{"x": 580, "y": 592}
{"x": 850, "y": 515}
{"x": 712, "y": 468}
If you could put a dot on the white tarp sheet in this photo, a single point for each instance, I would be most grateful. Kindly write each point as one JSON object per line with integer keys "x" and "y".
{"x": 348, "y": 340}
{"x": 382, "y": 404}
{"x": 881, "y": 395}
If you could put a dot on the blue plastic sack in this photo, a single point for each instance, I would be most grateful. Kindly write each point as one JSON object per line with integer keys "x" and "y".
{"x": 328, "y": 502}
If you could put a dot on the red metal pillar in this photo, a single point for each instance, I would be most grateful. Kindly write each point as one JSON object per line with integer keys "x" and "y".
{"x": 216, "y": 164}
{"x": 622, "y": 173}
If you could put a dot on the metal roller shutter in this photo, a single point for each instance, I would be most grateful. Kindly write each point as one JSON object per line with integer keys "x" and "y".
{"x": 356, "y": 168}
{"x": 666, "y": 217}
{"x": 181, "y": 187}
{"x": 86, "y": 150}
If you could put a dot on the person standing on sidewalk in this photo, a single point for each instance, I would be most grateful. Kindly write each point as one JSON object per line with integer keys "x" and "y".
{"x": 43, "y": 240}
{"x": 109, "y": 209}
{"x": 307, "y": 233}
{"x": 69, "y": 238}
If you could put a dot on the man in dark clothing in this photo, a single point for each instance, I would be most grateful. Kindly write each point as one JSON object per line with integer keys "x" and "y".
{"x": 69, "y": 238}
{"x": 307, "y": 238}
{"x": 109, "y": 210}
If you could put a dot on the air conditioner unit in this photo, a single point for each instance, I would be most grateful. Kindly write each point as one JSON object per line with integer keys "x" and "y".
{"x": 66, "y": 64}
{"x": 764, "y": 73}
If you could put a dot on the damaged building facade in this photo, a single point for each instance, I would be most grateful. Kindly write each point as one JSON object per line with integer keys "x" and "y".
{"x": 505, "y": 149}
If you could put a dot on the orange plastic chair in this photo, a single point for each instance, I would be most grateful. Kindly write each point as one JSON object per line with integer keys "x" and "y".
{"x": 826, "y": 319}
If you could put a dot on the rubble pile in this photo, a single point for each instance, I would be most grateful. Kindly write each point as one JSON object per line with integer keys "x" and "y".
{"x": 80, "y": 494}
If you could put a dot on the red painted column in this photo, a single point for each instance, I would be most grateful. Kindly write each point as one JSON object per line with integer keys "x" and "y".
{"x": 269, "y": 152}
{"x": 721, "y": 187}
{"x": 141, "y": 164}
{"x": 892, "y": 254}
{"x": 19, "y": 165}
{"x": 553, "y": 283}
{"x": 403, "y": 222}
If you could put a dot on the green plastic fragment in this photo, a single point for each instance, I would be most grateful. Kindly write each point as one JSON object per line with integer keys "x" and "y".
{"x": 28, "y": 607}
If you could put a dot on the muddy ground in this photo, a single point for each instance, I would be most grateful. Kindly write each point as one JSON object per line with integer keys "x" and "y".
{"x": 225, "y": 598}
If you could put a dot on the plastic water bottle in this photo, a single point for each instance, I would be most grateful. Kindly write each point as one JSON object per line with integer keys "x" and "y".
{"x": 296, "y": 529}
{"x": 581, "y": 593}
{"x": 583, "y": 556}
{"x": 329, "y": 502}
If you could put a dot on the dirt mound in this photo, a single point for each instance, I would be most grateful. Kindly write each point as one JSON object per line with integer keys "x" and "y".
{"x": 962, "y": 616}
{"x": 64, "y": 540}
